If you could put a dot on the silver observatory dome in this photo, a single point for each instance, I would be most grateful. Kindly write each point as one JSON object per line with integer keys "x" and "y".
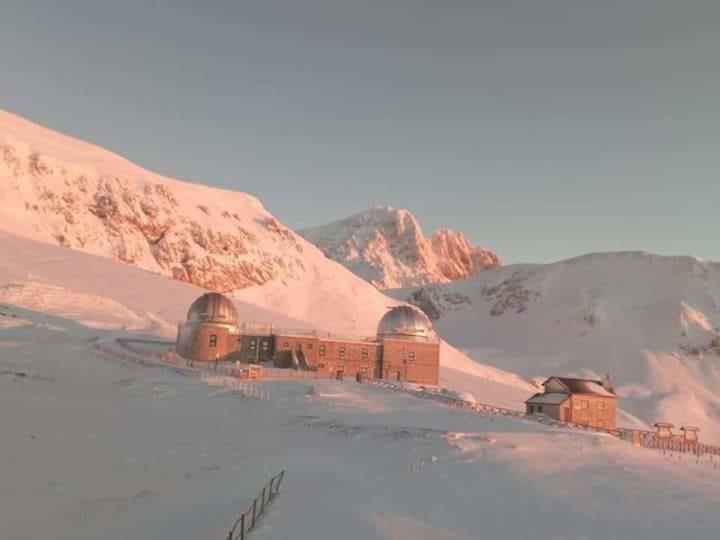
{"x": 213, "y": 307}
{"x": 405, "y": 322}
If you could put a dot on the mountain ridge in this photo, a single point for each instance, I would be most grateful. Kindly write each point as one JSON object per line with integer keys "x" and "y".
{"x": 386, "y": 246}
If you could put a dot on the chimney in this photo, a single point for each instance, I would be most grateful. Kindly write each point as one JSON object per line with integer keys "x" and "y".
{"x": 608, "y": 384}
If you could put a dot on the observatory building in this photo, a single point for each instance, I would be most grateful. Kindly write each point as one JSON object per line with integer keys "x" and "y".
{"x": 405, "y": 348}
{"x": 210, "y": 333}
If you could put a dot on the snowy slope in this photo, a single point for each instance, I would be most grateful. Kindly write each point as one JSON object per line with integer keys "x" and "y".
{"x": 386, "y": 247}
{"x": 95, "y": 448}
{"x": 651, "y": 321}
{"x": 67, "y": 192}
{"x": 104, "y": 294}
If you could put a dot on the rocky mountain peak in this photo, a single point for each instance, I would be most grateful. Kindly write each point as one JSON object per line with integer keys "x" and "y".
{"x": 387, "y": 247}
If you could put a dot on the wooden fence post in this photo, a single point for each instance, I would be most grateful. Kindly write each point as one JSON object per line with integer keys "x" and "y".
{"x": 254, "y": 513}
{"x": 270, "y": 495}
{"x": 242, "y": 527}
{"x": 262, "y": 502}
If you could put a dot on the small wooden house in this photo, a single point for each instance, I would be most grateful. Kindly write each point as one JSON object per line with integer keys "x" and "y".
{"x": 581, "y": 401}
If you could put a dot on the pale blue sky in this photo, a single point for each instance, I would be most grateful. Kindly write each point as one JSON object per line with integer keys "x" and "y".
{"x": 542, "y": 129}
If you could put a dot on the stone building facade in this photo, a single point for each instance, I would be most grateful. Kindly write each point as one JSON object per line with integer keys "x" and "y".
{"x": 580, "y": 401}
{"x": 210, "y": 333}
{"x": 404, "y": 349}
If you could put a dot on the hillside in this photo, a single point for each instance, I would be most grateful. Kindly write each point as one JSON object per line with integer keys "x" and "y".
{"x": 97, "y": 448}
{"x": 387, "y": 247}
{"x": 70, "y": 193}
{"x": 651, "y": 321}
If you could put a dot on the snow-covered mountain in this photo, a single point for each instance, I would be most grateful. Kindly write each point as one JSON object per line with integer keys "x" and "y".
{"x": 67, "y": 193}
{"x": 652, "y": 322}
{"x": 57, "y": 189}
{"x": 387, "y": 247}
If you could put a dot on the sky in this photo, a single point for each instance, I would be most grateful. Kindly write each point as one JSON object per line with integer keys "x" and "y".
{"x": 542, "y": 129}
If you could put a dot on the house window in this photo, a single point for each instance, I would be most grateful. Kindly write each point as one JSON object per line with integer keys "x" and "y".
{"x": 532, "y": 409}
{"x": 341, "y": 352}
{"x": 213, "y": 340}
{"x": 411, "y": 356}
{"x": 540, "y": 409}
{"x": 286, "y": 345}
{"x": 253, "y": 344}
{"x": 365, "y": 353}
{"x": 321, "y": 350}
{"x": 265, "y": 346}
{"x": 601, "y": 405}
{"x": 585, "y": 404}
{"x": 309, "y": 345}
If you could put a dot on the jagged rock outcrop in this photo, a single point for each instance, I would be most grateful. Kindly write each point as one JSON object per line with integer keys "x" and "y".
{"x": 386, "y": 246}
{"x": 61, "y": 190}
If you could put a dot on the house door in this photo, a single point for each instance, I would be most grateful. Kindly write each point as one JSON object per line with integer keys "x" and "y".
{"x": 565, "y": 416}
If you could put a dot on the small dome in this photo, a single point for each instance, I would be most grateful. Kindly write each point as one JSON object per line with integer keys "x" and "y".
{"x": 405, "y": 322}
{"x": 213, "y": 307}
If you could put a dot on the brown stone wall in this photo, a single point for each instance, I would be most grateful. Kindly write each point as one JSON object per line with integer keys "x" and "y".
{"x": 412, "y": 361}
{"x": 597, "y": 411}
{"x": 331, "y": 356}
{"x": 195, "y": 343}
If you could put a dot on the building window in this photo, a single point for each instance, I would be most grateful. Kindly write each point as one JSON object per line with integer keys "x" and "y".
{"x": 363, "y": 370}
{"x": 321, "y": 366}
{"x": 321, "y": 350}
{"x": 309, "y": 345}
{"x": 286, "y": 345}
{"x": 213, "y": 340}
{"x": 365, "y": 353}
{"x": 585, "y": 404}
{"x": 341, "y": 352}
{"x": 411, "y": 356}
{"x": 265, "y": 346}
{"x": 540, "y": 409}
{"x": 532, "y": 409}
{"x": 601, "y": 405}
{"x": 253, "y": 344}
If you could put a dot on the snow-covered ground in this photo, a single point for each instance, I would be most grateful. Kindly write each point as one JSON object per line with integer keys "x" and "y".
{"x": 103, "y": 293}
{"x": 652, "y": 322}
{"x": 96, "y": 448}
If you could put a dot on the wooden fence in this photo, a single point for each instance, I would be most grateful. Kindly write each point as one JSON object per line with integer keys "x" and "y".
{"x": 228, "y": 376}
{"x": 248, "y": 519}
{"x": 485, "y": 408}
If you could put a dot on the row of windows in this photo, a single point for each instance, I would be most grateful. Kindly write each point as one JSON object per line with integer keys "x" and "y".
{"x": 265, "y": 345}
{"x": 585, "y": 405}
{"x": 534, "y": 409}
{"x": 322, "y": 350}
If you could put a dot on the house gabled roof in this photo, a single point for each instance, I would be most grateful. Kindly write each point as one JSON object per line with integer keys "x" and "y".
{"x": 551, "y": 398}
{"x": 582, "y": 386}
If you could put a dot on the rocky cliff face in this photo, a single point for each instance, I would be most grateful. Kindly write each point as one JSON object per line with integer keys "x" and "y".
{"x": 386, "y": 246}
{"x": 57, "y": 189}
